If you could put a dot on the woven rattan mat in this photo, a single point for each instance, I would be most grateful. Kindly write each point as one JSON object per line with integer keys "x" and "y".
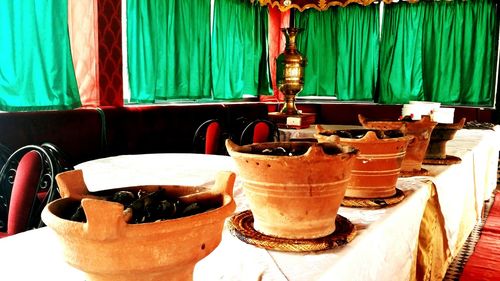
{"x": 241, "y": 226}
{"x": 449, "y": 160}
{"x": 374, "y": 202}
{"x": 414, "y": 173}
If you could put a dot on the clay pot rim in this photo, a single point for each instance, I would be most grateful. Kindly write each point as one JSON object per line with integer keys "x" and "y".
{"x": 376, "y": 141}
{"x": 370, "y": 135}
{"x": 314, "y": 150}
{"x": 454, "y": 126}
{"x": 227, "y": 200}
{"x": 75, "y": 190}
{"x": 56, "y": 222}
{"x": 366, "y": 122}
{"x": 409, "y": 128}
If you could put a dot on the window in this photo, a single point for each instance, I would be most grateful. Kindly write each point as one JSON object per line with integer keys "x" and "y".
{"x": 172, "y": 54}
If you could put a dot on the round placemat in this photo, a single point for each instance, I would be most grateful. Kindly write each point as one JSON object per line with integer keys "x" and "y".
{"x": 414, "y": 173}
{"x": 241, "y": 226}
{"x": 374, "y": 202}
{"x": 449, "y": 160}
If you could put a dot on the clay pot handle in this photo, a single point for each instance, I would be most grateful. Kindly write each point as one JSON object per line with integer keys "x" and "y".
{"x": 322, "y": 138}
{"x": 426, "y": 119}
{"x": 410, "y": 139}
{"x": 332, "y": 138}
{"x": 71, "y": 184}
{"x": 105, "y": 220}
{"x": 370, "y": 135}
{"x": 320, "y": 129}
{"x": 404, "y": 128}
{"x": 224, "y": 183}
{"x": 233, "y": 147}
{"x": 314, "y": 151}
{"x": 362, "y": 119}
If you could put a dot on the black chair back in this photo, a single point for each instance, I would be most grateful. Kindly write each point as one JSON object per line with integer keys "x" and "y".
{"x": 257, "y": 131}
{"x": 52, "y": 162}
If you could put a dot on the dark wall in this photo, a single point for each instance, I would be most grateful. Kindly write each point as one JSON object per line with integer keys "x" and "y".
{"x": 86, "y": 134}
{"x": 346, "y": 113}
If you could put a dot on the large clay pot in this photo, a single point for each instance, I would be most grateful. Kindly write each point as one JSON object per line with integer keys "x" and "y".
{"x": 441, "y": 134}
{"x": 377, "y": 167}
{"x": 421, "y": 131}
{"x": 107, "y": 248}
{"x": 294, "y": 196}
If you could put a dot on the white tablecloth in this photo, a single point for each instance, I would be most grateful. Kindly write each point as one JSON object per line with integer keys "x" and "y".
{"x": 465, "y": 187}
{"x": 384, "y": 248}
{"x": 460, "y": 187}
{"x": 233, "y": 259}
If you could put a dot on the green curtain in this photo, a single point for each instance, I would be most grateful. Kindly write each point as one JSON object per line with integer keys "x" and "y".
{"x": 341, "y": 46}
{"x": 439, "y": 51}
{"x": 36, "y": 69}
{"x": 401, "y": 54}
{"x": 317, "y": 42}
{"x": 239, "y": 56}
{"x": 168, "y": 49}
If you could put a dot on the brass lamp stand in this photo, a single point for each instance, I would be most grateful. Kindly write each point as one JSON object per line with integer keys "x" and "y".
{"x": 290, "y": 71}
{"x": 290, "y": 79}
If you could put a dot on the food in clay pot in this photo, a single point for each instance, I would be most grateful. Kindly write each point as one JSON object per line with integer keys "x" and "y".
{"x": 143, "y": 206}
{"x": 377, "y": 167}
{"x": 151, "y": 233}
{"x": 294, "y": 189}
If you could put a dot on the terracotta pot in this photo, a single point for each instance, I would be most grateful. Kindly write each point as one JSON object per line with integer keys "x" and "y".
{"x": 294, "y": 196}
{"x": 441, "y": 134}
{"x": 377, "y": 167}
{"x": 421, "y": 131}
{"x": 107, "y": 248}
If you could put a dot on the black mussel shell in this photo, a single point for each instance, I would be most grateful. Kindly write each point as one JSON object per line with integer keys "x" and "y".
{"x": 147, "y": 206}
{"x": 124, "y": 197}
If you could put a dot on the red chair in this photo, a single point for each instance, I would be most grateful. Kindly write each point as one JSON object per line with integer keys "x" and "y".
{"x": 24, "y": 193}
{"x": 258, "y": 131}
{"x": 26, "y": 185}
{"x": 208, "y": 138}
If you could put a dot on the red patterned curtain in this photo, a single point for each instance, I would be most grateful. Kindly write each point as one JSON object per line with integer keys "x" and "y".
{"x": 82, "y": 25}
{"x": 95, "y": 36}
{"x": 277, "y": 20}
{"x": 110, "y": 52}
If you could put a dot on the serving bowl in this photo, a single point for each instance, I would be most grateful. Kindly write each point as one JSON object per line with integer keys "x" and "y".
{"x": 377, "y": 167}
{"x": 106, "y": 247}
{"x": 441, "y": 134}
{"x": 421, "y": 131}
{"x": 294, "y": 196}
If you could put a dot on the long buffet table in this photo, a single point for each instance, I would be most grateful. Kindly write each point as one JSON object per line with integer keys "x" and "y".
{"x": 413, "y": 240}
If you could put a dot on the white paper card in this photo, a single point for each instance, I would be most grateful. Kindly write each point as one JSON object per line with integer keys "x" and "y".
{"x": 293, "y": 121}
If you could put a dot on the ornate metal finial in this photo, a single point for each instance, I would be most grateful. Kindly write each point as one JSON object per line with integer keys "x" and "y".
{"x": 290, "y": 71}
{"x": 322, "y": 4}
